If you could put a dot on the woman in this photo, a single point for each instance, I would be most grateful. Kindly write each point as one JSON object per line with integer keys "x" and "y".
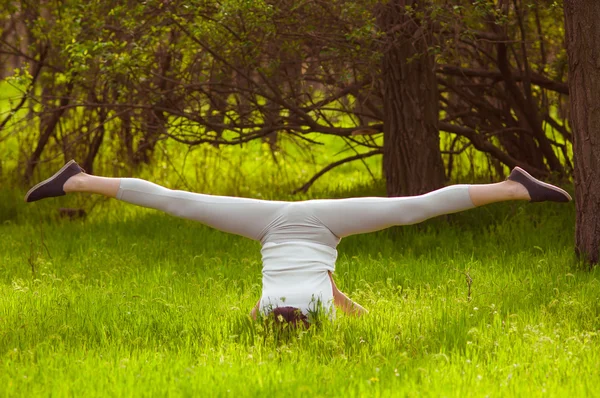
{"x": 299, "y": 239}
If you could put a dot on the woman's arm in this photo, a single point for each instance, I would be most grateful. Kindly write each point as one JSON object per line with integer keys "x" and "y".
{"x": 344, "y": 303}
{"x": 254, "y": 311}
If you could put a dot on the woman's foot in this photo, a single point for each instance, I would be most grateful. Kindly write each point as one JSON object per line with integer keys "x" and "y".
{"x": 53, "y": 186}
{"x": 538, "y": 191}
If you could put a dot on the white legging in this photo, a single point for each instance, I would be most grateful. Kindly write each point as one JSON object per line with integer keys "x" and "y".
{"x": 319, "y": 221}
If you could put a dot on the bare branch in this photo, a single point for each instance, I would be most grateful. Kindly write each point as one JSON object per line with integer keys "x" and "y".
{"x": 536, "y": 78}
{"x": 333, "y": 165}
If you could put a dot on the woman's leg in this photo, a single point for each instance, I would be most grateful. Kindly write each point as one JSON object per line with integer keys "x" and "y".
{"x": 83, "y": 182}
{"x": 246, "y": 217}
{"x": 346, "y": 217}
{"x": 500, "y": 192}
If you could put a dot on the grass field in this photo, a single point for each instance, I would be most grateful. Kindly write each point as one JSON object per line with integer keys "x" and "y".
{"x": 131, "y": 302}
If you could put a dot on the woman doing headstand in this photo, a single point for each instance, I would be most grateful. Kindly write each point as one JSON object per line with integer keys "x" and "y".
{"x": 299, "y": 239}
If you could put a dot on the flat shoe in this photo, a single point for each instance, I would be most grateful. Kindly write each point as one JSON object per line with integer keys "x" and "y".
{"x": 539, "y": 191}
{"x": 53, "y": 186}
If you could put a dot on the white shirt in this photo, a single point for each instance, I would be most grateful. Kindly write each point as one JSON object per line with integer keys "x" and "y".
{"x": 296, "y": 274}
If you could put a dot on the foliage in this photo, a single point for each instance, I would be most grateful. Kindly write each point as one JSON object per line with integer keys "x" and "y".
{"x": 109, "y": 79}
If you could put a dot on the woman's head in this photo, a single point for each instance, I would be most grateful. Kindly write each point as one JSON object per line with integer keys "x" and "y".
{"x": 289, "y": 315}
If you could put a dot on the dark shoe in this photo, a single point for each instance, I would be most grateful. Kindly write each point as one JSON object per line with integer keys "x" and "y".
{"x": 539, "y": 191}
{"x": 53, "y": 186}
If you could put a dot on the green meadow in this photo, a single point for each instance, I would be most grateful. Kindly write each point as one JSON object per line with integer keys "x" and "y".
{"x": 131, "y": 302}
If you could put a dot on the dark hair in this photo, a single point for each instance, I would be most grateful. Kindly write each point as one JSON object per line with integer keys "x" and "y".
{"x": 290, "y": 315}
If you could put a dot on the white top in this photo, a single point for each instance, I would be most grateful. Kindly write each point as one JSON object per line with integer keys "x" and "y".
{"x": 295, "y": 274}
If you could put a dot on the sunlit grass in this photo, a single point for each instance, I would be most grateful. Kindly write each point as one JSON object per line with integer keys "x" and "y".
{"x": 134, "y": 302}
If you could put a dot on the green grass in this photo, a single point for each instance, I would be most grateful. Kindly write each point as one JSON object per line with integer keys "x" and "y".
{"x": 131, "y": 302}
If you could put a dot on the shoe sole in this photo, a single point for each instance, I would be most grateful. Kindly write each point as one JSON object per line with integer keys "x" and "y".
{"x": 550, "y": 186}
{"x": 47, "y": 180}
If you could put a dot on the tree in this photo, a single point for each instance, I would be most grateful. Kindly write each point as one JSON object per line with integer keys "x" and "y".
{"x": 110, "y": 77}
{"x": 412, "y": 162}
{"x": 501, "y": 70}
{"x": 582, "y": 32}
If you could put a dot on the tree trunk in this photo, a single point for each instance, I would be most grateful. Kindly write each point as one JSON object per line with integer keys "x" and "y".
{"x": 47, "y": 129}
{"x": 412, "y": 161}
{"x": 94, "y": 147}
{"x": 155, "y": 119}
{"x": 582, "y": 28}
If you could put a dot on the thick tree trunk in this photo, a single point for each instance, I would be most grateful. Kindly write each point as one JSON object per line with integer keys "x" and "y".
{"x": 412, "y": 161}
{"x": 582, "y": 23}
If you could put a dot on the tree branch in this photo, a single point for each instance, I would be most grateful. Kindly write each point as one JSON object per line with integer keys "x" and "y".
{"x": 333, "y": 165}
{"x": 536, "y": 78}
